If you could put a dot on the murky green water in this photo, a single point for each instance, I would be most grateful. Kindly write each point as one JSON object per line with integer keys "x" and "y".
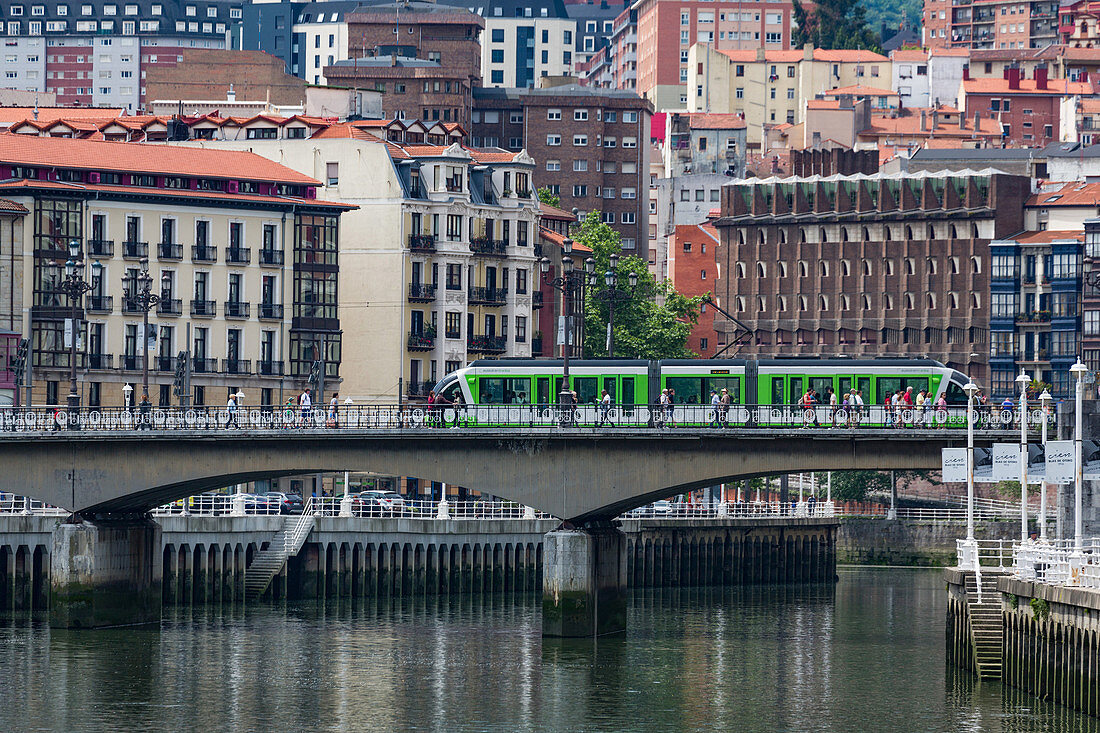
{"x": 866, "y": 656}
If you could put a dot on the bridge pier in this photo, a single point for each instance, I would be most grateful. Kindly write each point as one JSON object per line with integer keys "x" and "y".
{"x": 584, "y": 582}
{"x": 106, "y": 572}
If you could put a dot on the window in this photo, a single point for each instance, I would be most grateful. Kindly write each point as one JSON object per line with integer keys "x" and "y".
{"x": 332, "y": 174}
{"x": 630, "y": 116}
{"x": 498, "y": 35}
{"x": 580, "y": 166}
{"x": 580, "y": 115}
{"x": 580, "y": 191}
{"x": 553, "y": 140}
{"x": 580, "y": 140}
{"x": 610, "y": 142}
{"x": 454, "y": 227}
{"x": 553, "y": 165}
{"x": 553, "y": 114}
{"x": 629, "y": 193}
{"x": 629, "y": 217}
{"x": 521, "y": 329}
{"x": 454, "y": 280}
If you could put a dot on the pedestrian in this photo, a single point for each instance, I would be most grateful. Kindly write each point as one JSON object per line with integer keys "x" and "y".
{"x": 288, "y": 412}
{"x": 231, "y": 412}
{"x": 671, "y": 407}
{"x": 305, "y": 403}
{"x": 724, "y": 408}
{"x": 605, "y": 409}
{"x": 857, "y": 401}
{"x": 888, "y": 406}
{"x": 1007, "y": 408}
{"x": 334, "y": 410}
{"x": 832, "y": 405}
{"x": 662, "y": 408}
{"x": 941, "y": 409}
{"x": 715, "y": 403}
{"x": 919, "y": 403}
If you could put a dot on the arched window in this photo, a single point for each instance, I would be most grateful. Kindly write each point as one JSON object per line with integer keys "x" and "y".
{"x": 845, "y": 304}
{"x": 782, "y": 236}
{"x": 954, "y": 300}
{"x": 886, "y": 233}
{"x": 761, "y": 270}
{"x": 910, "y": 266}
{"x": 954, "y": 265}
{"x": 740, "y": 269}
{"x": 975, "y": 266}
{"x": 741, "y": 236}
{"x": 931, "y": 301}
{"x": 889, "y": 302}
{"x": 974, "y": 231}
{"x": 762, "y": 304}
{"x": 782, "y": 269}
{"x": 888, "y": 266}
{"x": 866, "y": 234}
{"x": 823, "y": 234}
{"x": 931, "y": 232}
{"x": 954, "y": 232}
{"x": 760, "y": 237}
{"x": 802, "y": 306}
{"x": 823, "y": 303}
{"x": 782, "y": 303}
{"x": 931, "y": 266}
{"x": 908, "y": 233}
{"x": 824, "y": 268}
{"x": 909, "y": 304}
{"x": 803, "y": 271}
{"x": 866, "y": 302}
{"x": 975, "y": 300}
{"x": 844, "y": 234}
{"x": 801, "y": 235}
{"x": 740, "y": 304}
{"x": 845, "y": 268}
{"x": 866, "y": 267}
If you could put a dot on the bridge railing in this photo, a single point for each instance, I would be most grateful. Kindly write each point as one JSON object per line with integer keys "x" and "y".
{"x": 532, "y": 416}
{"x": 220, "y": 505}
{"x": 15, "y": 504}
{"x": 931, "y": 514}
{"x": 754, "y": 509}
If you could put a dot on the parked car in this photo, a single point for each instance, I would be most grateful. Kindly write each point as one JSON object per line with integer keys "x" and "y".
{"x": 260, "y": 504}
{"x": 383, "y": 502}
{"x": 288, "y": 503}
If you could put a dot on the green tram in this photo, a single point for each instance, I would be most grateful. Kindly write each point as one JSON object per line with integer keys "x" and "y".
{"x": 766, "y": 391}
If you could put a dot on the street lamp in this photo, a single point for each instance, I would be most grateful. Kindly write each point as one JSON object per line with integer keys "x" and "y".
{"x": 240, "y": 400}
{"x": 613, "y": 295}
{"x": 127, "y": 390}
{"x": 74, "y": 285}
{"x": 1078, "y": 371}
{"x": 570, "y": 284}
{"x": 971, "y": 390}
{"x": 1044, "y": 399}
{"x": 142, "y": 296}
{"x": 1023, "y": 380}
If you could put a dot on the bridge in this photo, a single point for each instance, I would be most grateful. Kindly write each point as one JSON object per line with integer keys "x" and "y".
{"x": 109, "y": 473}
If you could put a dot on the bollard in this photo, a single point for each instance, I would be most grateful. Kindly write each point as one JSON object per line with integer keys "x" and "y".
{"x": 528, "y": 512}
{"x": 238, "y": 505}
{"x": 442, "y": 511}
{"x": 345, "y": 506}
{"x": 723, "y": 509}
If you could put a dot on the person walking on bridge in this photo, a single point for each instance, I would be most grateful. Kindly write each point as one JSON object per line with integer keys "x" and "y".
{"x": 715, "y": 403}
{"x": 305, "y": 402}
{"x": 231, "y": 412}
{"x": 605, "y": 409}
{"x": 724, "y": 408}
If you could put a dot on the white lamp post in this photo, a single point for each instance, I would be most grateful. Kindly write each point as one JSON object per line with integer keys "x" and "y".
{"x": 1044, "y": 399}
{"x": 127, "y": 390}
{"x": 971, "y": 390}
{"x": 1078, "y": 371}
{"x": 1023, "y": 380}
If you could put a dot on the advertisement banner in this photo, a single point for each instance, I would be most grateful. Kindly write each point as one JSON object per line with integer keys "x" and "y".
{"x": 1059, "y": 463}
{"x": 953, "y": 464}
{"x": 1006, "y": 462}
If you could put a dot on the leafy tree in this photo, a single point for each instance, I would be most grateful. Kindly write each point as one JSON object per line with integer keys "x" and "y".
{"x": 549, "y": 198}
{"x": 856, "y": 485}
{"x": 644, "y": 329}
{"x": 833, "y": 24}
{"x": 1011, "y": 489}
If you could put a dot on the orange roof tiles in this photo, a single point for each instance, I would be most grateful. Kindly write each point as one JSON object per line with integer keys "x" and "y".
{"x": 1048, "y": 236}
{"x": 552, "y": 236}
{"x": 1055, "y": 87}
{"x": 1070, "y": 194}
{"x": 822, "y": 104}
{"x": 909, "y": 54}
{"x": 49, "y": 114}
{"x": 749, "y": 56}
{"x": 56, "y": 152}
{"x": 858, "y": 90}
{"x": 10, "y": 207}
{"x": 847, "y": 55}
{"x": 21, "y": 186}
{"x": 911, "y": 126}
{"x": 553, "y": 212}
{"x": 956, "y": 52}
{"x": 715, "y": 121}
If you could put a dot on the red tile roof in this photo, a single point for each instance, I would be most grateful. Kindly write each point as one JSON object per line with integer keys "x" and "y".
{"x": 1048, "y": 236}
{"x": 715, "y": 121}
{"x": 847, "y": 55}
{"x": 25, "y": 186}
{"x": 1055, "y": 87}
{"x": 822, "y": 104}
{"x": 749, "y": 56}
{"x": 883, "y": 125}
{"x": 1070, "y": 194}
{"x": 551, "y": 236}
{"x": 10, "y": 207}
{"x": 49, "y": 114}
{"x": 858, "y": 90}
{"x": 56, "y": 152}
{"x": 553, "y": 212}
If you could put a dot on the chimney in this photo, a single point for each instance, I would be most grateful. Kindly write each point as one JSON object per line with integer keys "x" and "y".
{"x": 1012, "y": 73}
{"x": 760, "y": 55}
{"x": 935, "y": 119}
{"x": 1084, "y": 78}
{"x": 808, "y": 52}
{"x": 966, "y": 72}
{"x": 231, "y": 96}
{"x": 1041, "y": 76}
{"x": 924, "y": 120}
{"x": 977, "y": 121}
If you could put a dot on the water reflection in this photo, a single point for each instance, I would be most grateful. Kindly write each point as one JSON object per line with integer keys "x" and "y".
{"x": 866, "y": 654}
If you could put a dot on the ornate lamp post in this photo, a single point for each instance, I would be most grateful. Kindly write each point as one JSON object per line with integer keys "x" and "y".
{"x": 1044, "y": 399}
{"x": 74, "y": 285}
{"x": 143, "y": 296}
{"x": 971, "y": 390}
{"x": 1078, "y": 370}
{"x": 1023, "y": 380}
{"x": 611, "y": 296}
{"x": 570, "y": 284}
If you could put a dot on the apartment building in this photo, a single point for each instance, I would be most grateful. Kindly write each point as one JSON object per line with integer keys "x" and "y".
{"x": 770, "y": 88}
{"x": 667, "y": 29}
{"x": 928, "y": 78}
{"x": 97, "y": 54}
{"x": 243, "y": 256}
{"x": 615, "y": 64}
{"x": 693, "y": 271}
{"x": 595, "y": 21}
{"x": 439, "y": 266}
{"x": 990, "y": 24}
{"x": 12, "y": 220}
{"x": 591, "y": 146}
{"x": 866, "y": 265}
{"x": 524, "y": 41}
{"x": 1062, "y": 62}
{"x": 1029, "y": 110}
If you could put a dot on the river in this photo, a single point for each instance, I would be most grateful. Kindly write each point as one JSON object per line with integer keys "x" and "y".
{"x": 866, "y": 655}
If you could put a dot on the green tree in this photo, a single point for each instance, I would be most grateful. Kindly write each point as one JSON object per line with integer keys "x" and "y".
{"x": 834, "y": 24}
{"x": 643, "y": 328}
{"x": 549, "y": 198}
{"x": 856, "y": 485}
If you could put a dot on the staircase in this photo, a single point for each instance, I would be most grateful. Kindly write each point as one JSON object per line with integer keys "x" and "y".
{"x": 267, "y": 563}
{"x": 986, "y": 624}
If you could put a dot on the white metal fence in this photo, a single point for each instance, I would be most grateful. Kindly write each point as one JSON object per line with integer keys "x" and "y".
{"x": 1055, "y": 562}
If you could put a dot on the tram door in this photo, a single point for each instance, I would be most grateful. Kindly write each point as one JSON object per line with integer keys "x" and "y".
{"x": 542, "y": 390}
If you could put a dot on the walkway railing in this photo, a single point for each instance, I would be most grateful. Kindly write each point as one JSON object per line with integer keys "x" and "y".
{"x": 930, "y": 514}
{"x": 1054, "y": 562}
{"x": 13, "y": 504}
{"x": 544, "y": 416}
{"x": 753, "y": 509}
{"x": 221, "y": 505}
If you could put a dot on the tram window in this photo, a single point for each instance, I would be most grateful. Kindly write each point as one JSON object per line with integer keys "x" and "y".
{"x": 557, "y": 388}
{"x": 955, "y": 394}
{"x": 609, "y": 385}
{"x": 777, "y": 391}
{"x": 453, "y": 392}
{"x": 917, "y": 383}
{"x": 796, "y": 390}
{"x": 628, "y": 391}
{"x": 586, "y": 387}
{"x": 863, "y": 384}
{"x": 504, "y": 390}
{"x": 845, "y": 387}
{"x": 821, "y": 385}
{"x": 542, "y": 390}
{"x": 733, "y": 384}
{"x": 688, "y": 389}
{"x": 886, "y": 386}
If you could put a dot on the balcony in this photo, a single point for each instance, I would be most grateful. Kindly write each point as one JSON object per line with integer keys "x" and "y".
{"x": 130, "y": 306}
{"x": 270, "y": 311}
{"x": 536, "y": 299}
{"x": 236, "y": 366}
{"x": 422, "y": 242}
{"x": 454, "y": 185}
{"x": 204, "y": 253}
{"x": 455, "y": 334}
{"x": 1033, "y": 317}
{"x": 421, "y": 292}
{"x": 204, "y": 308}
{"x": 101, "y": 248}
{"x": 135, "y": 250}
{"x": 486, "y": 344}
{"x": 419, "y": 389}
{"x": 170, "y": 307}
{"x": 269, "y": 368}
{"x": 99, "y": 303}
{"x": 524, "y": 193}
{"x": 488, "y": 247}
{"x": 488, "y": 296}
{"x": 421, "y": 341}
{"x": 99, "y": 361}
{"x": 271, "y": 257}
{"x": 162, "y": 363}
{"x": 238, "y": 255}
{"x": 202, "y": 365}
{"x": 130, "y": 363}
{"x": 236, "y": 309}
{"x": 169, "y": 251}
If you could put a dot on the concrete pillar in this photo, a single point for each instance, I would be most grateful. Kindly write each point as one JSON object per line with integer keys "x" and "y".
{"x": 584, "y": 582}
{"x": 105, "y": 573}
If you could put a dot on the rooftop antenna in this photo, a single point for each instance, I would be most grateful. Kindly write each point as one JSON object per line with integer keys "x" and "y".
{"x": 36, "y": 107}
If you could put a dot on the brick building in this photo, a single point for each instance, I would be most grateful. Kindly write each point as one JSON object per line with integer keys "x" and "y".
{"x": 866, "y": 265}
{"x": 591, "y": 146}
{"x": 990, "y": 23}
{"x": 426, "y": 56}
{"x": 194, "y": 73}
{"x": 693, "y": 271}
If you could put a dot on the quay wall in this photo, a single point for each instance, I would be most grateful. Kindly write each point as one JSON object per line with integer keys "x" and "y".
{"x": 911, "y": 542}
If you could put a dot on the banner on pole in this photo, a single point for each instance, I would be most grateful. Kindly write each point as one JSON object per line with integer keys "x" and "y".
{"x": 1059, "y": 461}
{"x": 1006, "y": 462}
{"x": 953, "y": 465}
